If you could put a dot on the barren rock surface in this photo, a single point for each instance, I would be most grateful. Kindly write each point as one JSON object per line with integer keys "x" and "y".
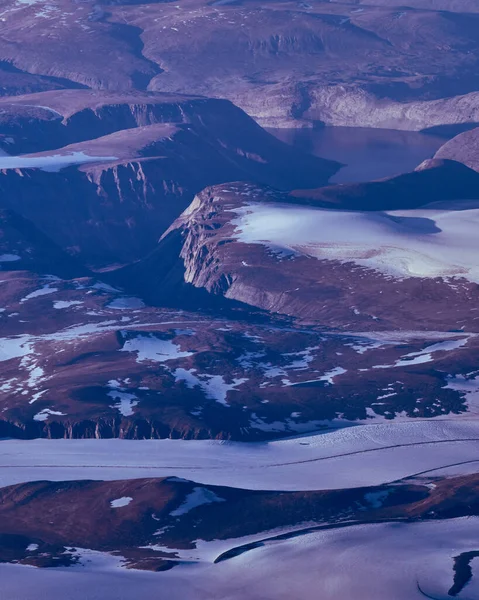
{"x": 279, "y": 260}
{"x": 141, "y": 158}
{"x": 285, "y": 63}
{"x": 463, "y": 148}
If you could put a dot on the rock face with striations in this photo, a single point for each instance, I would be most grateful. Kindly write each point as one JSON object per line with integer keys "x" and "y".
{"x": 336, "y": 267}
{"x": 151, "y": 153}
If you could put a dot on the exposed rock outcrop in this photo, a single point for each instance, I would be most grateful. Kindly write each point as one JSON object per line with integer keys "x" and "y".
{"x": 344, "y": 63}
{"x": 154, "y": 153}
{"x": 330, "y": 282}
{"x": 463, "y": 148}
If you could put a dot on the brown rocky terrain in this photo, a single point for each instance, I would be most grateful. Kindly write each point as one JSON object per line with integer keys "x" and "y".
{"x": 151, "y": 523}
{"x": 338, "y": 293}
{"x": 190, "y": 341}
{"x": 82, "y": 359}
{"x": 155, "y": 151}
{"x": 171, "y": 271}
{"x": 369, "y": 64}
{"x": 463, "y": 148}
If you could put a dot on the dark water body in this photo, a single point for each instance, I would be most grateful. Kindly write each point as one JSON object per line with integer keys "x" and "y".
{"x": 367, "y": 153}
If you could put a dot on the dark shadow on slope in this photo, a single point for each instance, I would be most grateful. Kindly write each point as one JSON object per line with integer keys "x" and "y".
{"x": 450, "y": 130}
{"x": 435, "y": 180}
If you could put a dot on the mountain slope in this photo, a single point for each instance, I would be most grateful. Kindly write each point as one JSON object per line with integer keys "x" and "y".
{"x": 463, "y": 148}
{"x": 149, "y": 155}
{"x": 334, "y": 267}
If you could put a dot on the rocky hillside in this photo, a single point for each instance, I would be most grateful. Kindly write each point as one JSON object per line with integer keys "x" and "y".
{"x": 156, "y": 524}
{"x": 463, "y": 148}
{"x": 82, "y": 359}
{"x": 374, "y": 64}
{"x": 139, "y": 161}
{"x": 338, "y": 268}
{"x": 229, "y": 328}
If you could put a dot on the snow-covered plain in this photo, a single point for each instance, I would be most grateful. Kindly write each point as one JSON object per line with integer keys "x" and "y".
{"x": 429, "y": 242}
{"x": 388, "y": 561}
{"x": 351, "y": 457}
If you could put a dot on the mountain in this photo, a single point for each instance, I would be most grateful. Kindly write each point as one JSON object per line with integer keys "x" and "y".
{"x": 137, "y": 161}
{"x": 221, "y": 375}
{"x": 338, "y": 268}
{"x": 80, "y": 358}
{"x": 349, "y": 63}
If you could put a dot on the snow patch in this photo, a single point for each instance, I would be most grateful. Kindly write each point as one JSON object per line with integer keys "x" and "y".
{"x": 52, "y": 163}
{"x": 198, "y": 497}
{"x": 9, "y": 257}
{"x": 213, "y": 386}
{"x": 415, "y": 243}
{"x": 126, "y": 303}
{"x": 59, "y": 304}
{"x": 151, "y": 347}
{"x": 425, "y": 355}
{"x": 120, "y": 502}
{"x": 44, "y": 291}
{"x": 45, "y": 413}
{"x": 126, "y": 402}
{"x": 469, "y": 386}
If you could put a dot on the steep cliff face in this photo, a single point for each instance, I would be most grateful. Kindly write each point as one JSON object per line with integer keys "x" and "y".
{"x": 346, "y": 105}
{"x": 375, "y": 269}
{"x": 354, "y": 106}
{"x": 82, "y": 359}
{"x": 71, "y": 116}
{"x": 148, "y": 156}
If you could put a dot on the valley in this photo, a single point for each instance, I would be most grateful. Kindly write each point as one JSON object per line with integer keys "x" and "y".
{"x": 239, "y": 339}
